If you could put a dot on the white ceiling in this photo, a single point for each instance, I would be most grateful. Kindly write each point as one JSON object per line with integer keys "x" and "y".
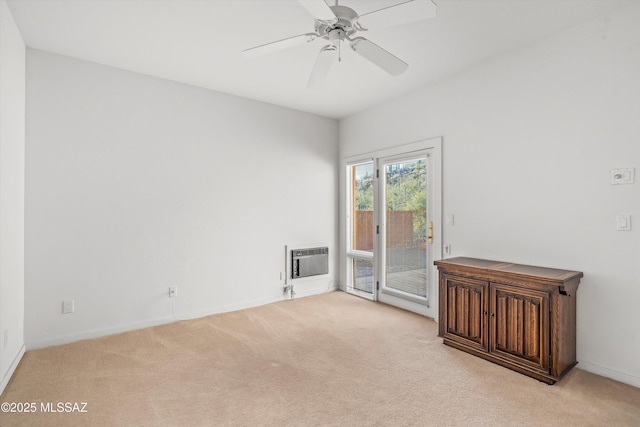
{"x": 199, "y": 42}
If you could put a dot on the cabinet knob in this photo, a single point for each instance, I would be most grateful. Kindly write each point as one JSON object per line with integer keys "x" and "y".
{"x": 493, "y": 314}
{"x": 485, "y": 312}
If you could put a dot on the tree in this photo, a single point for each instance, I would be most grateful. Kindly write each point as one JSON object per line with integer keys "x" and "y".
{"x": 364, "y": 193}
{"x": 406, "y": 191}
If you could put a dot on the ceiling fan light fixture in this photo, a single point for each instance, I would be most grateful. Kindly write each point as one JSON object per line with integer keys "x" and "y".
{"x": 336, "y": 36}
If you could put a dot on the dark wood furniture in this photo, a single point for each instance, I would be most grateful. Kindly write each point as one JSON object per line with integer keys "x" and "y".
{"x": 519, "y": 316}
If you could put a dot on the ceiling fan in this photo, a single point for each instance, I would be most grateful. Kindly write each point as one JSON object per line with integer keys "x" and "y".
{"x": 337, "y": 24}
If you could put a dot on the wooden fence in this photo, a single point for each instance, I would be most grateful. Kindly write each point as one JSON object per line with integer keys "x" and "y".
{"x": 399, "y": 230}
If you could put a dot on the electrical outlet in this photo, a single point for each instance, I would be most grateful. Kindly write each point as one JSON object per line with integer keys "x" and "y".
{"x": 173, "y": 291}
{"x": 68, "y": 306}
{"x": 447, "y": 249}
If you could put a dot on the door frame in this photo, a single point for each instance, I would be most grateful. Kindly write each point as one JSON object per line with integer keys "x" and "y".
{"x": 434, "y": 146}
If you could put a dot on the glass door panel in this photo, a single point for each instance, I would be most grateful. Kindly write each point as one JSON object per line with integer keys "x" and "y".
{"x": 361, "y": 229}
{"x": 406, "y": 227}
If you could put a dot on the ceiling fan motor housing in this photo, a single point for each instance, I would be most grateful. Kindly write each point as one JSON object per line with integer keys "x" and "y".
{"x": 344, "y": 26}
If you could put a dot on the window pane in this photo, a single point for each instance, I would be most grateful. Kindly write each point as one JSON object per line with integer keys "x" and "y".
{"x": 362, "y": 184}
{"x": 363, "y": 275}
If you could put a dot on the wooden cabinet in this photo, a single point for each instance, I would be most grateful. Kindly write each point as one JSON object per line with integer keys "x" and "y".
{"x": 519, "y": 316}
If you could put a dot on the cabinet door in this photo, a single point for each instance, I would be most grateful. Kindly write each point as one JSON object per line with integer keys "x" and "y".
{"x": 465, "y": 311}
{"x": 520, "y": 325}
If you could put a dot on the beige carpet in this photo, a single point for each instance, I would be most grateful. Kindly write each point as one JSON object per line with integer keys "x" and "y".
{"x": 332, "y": 359}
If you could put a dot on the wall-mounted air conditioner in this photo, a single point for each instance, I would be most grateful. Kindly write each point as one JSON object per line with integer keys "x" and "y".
{"x": 309, "y": 262}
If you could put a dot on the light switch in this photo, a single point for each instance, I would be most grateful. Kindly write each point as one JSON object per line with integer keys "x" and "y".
{"x": 68, "y": 306}
{"x": 449, "y": 219}
{"x": 622, "y": 176}
{"x": 623, "y": 222}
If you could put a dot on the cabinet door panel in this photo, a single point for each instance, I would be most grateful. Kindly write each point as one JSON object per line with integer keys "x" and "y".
{"x": 465, "y": 311}
{"x": 519, "y": 325}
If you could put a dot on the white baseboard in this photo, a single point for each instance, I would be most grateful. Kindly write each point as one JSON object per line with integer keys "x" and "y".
{"x": 603, "y": 371}
{"x": 97, "y": 333}
{"x": 306, "y": 290}
{"x": 301, "y": 291}
{"x": 12, "y": 368}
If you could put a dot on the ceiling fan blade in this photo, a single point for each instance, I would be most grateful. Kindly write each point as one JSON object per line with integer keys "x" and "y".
{"x": 319, "y": 9}
{"x": 321, "y": 68}
{"x": 380, "y": 57}
{"x": 402, "y": 13}
{"x": 278, "y": 45}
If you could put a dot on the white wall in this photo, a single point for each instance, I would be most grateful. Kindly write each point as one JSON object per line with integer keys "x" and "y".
{"x": 528, "y": 144}
{"x": 135, "y": 184}
{"x": 12, "y": 146}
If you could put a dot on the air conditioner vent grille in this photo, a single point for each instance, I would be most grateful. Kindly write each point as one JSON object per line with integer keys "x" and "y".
{"x": 309, "y": 262}
{"x": 310, "y": 252}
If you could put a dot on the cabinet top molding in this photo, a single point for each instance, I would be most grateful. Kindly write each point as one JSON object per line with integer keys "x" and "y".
{"x": 548, "y": 275}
